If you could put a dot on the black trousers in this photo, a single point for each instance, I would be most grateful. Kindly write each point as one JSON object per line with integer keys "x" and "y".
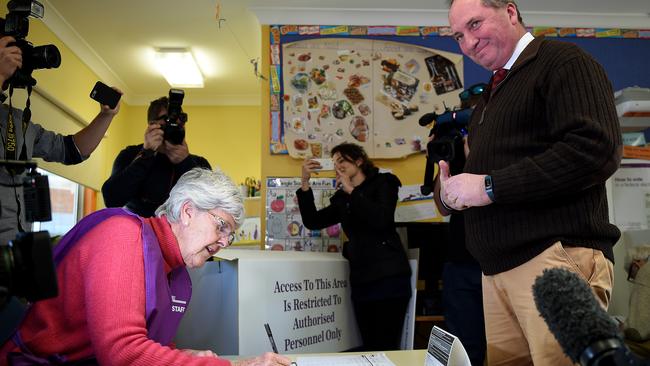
{"x": 462, "y": 296}
{"x": 380, "y": 323}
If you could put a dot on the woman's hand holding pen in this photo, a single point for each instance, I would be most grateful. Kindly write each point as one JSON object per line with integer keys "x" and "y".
{"x": 267, "y": 359}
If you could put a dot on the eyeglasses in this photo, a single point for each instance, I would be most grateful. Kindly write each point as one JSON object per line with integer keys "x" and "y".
{"x": 476, "y": 89}
{"x": 222, "y": 228}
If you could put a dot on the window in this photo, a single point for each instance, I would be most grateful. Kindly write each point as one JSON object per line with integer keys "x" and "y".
{"x": 66, "y": 199}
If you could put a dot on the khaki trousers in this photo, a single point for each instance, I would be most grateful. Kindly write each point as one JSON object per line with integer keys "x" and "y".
{"x": 516, "y": 333}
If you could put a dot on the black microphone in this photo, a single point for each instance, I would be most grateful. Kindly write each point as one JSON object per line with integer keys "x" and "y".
{"x": 586, "y": 333}
{"x": 427, "y": 118}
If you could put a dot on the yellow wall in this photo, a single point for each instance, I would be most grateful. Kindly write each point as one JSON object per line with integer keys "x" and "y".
{"x": 410, "y": 170}
{"x": 228, "y": 136}
{"x": 70, "y": 85}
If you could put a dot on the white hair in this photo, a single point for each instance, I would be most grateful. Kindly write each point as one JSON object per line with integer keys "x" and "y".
{"x": 206, "y": 190}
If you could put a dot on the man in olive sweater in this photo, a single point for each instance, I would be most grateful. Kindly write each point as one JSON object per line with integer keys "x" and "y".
{"x": 542, "y": 143}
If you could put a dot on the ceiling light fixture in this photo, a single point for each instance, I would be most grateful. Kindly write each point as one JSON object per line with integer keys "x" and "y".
{"x": 178, "y": 67}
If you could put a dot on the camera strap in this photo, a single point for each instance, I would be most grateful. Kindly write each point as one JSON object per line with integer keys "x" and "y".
{"x": 10, "y": 145}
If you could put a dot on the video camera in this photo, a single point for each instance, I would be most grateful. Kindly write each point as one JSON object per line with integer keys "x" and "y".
{"x": 174, "y": 128}
{"x": 26, "y": 265}
{"x": 448, "y": 130}
{"x": 40, "y": 57}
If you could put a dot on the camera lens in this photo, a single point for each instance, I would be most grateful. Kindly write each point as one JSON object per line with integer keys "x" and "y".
{"x": 46, "y": 57}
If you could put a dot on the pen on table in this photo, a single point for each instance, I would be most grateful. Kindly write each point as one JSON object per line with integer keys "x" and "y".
{"x": 270, "y": 335}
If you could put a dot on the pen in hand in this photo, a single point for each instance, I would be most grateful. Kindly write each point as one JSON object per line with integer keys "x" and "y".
{"x": 270, "y": 335}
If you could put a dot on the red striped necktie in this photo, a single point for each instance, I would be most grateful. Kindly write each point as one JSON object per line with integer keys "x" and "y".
{"x": 498, "y": 77}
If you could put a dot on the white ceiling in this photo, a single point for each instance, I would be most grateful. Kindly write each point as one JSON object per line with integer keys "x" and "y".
{"x": 116, "y": 38}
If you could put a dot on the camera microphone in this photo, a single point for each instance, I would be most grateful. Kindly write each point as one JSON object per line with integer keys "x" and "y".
{"x": 427, "y": 118}
{"x": 586, "y": 333}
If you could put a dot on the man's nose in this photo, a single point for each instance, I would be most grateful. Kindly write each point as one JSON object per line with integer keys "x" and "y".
{"x": 469, "y": 42}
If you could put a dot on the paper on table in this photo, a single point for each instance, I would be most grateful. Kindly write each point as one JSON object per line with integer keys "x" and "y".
{"x": 445, "y": 349}
{"x": 373, "y": 359}
{"x": 415, "y": 211}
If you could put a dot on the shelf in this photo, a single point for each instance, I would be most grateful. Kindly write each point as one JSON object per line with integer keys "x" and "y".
{"x": 630, "y": 124}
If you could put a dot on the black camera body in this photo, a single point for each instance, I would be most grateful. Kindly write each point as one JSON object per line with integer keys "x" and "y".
{"x": 26, "y": 264}
{"x": 36, "y": 191}
{"x": 16, "y": 25}
{"x": 174, "y": 128}
{"x": 26, "y": 267}
{"x": 449, "y": 131}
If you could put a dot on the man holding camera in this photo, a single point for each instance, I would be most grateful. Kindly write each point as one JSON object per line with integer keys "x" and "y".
{"x": 32, "y": 140}
{"x": 144, "y": 174}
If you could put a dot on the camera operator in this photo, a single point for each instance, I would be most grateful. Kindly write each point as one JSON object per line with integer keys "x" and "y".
{"x": 144, "y": 174}
{"x": 461, "y": 275}
{"x": 32, "y": 140}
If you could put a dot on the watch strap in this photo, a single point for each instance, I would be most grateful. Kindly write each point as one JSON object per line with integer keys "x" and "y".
{"x": 489, "y": 187}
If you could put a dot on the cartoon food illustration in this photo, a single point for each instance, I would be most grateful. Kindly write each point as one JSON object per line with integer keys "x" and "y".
{"x": 318, "y": 76}
{"x": 300, "y": 81}
{"x": 390, "y": 65}
{"x": 342, "y": 109}
{"x": 277, "y": 204}
{"x": 333, "y": 231}
{"x": 304, "y": 57}
{"x": 359, "y": 129}
{"x": 294, "y": 228}
{"x": 316, "y": 149}
{"x": 354, "y": 95}
{"x": 364, "y": 109}
{"x": 300, "y": 144}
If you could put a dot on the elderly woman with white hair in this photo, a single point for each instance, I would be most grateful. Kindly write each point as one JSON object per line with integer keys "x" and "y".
{"x": 123, "y": 283}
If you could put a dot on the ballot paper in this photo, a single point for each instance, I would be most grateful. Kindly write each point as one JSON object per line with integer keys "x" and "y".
{"x": 445, "y": 349}
{"x": 372, "y": 359}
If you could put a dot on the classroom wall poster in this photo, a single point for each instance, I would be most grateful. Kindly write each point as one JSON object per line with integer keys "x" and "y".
{"x": 369, "y": 92}
{"x": 284, "y": 227}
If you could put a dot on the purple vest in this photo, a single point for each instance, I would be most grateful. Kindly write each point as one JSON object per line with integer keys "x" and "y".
{"x": 166, "y": 298}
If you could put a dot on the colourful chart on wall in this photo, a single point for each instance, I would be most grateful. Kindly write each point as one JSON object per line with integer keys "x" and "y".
{"x": 284, "y": 227}
{"x": 369, "y": 92}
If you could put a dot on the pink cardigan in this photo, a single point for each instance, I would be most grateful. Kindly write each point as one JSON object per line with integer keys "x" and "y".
{"x": 100, "y": 309}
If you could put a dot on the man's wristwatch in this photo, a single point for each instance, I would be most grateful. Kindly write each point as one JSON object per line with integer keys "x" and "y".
{"x": 488, "y": 187}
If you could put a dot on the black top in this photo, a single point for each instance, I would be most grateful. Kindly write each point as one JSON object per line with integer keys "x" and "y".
{"x": 142, "y": 181}
{"x": 549, "y": 136}
{"x": 367, "y": 215}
